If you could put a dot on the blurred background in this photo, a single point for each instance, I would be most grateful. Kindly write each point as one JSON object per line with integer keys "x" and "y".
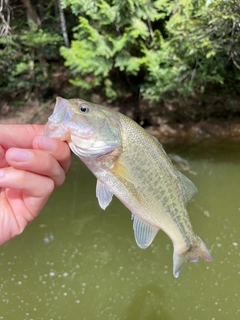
{"x": 164, "y": 63}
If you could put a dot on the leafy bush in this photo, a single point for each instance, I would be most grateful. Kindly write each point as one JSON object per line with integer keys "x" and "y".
{"x": 201, "y": 50}
{"x": 109, "y": 42}
{"x": 163, "y": 48}
{"x": 26, "y": 54}
{"x": 160, "y": 49}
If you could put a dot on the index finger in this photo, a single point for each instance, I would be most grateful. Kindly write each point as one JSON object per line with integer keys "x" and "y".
{"x": 19, "y": 135}
{"x": 57, "y": 148}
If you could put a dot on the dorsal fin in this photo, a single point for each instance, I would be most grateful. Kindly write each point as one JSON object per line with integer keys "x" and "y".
{"x": 189, "y": 187}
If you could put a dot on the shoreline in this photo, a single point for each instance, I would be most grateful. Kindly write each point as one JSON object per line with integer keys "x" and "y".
{"x": 212, "y": 129}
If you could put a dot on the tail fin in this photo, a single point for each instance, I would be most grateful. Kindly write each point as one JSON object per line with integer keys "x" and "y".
{"x": 198, "y": 249}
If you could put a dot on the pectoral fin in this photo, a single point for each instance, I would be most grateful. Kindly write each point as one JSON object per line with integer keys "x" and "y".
{"x": 120, "y": 170}
{"x": 103, "y": 194}
{"x": 144, "y": 232}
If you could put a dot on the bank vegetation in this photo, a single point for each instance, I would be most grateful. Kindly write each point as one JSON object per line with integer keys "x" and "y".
{"x": 173, "y": 59}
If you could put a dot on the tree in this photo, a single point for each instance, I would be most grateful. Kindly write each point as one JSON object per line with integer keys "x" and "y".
{"x": 4, "y": 18}
{"x": 162, "y": 48}
{"x": 201, "y": 50}
{"x": 29, "y": 48}
{"x": 107, "y": 50}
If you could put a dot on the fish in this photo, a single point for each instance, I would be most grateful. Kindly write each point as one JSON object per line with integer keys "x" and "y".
{"x": 131, "y": 164}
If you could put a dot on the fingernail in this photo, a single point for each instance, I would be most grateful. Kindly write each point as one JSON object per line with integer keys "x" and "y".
{"x": 46, "y": 143}
{"x": 2, "y": 173}
{"x": 20, "y": 155}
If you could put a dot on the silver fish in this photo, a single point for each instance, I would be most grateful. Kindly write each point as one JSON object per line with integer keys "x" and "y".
{"x": 131, "y": 164}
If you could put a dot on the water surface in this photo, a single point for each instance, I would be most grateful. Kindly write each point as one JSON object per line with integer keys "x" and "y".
{"x": 76, "y": 261}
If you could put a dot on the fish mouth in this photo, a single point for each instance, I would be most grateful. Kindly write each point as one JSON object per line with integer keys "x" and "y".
{"x": 85, "y": 137}
{"x": 57, "y": 131}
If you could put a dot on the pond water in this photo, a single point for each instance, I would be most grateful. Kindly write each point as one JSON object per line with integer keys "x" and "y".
{"x": 76, "y": 261}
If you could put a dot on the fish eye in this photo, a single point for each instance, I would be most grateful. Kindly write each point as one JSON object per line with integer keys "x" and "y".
{"x": 84, "y": 108}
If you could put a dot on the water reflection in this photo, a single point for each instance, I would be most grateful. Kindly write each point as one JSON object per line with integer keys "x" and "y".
{"x": 147, "y": 304}
{"x": 77, "y": 261}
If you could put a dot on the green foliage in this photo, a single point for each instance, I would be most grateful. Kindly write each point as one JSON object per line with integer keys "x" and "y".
{"x": 108, "y": 42}
{"x": 161, "y": 49}
{"x": 164, "y": 48}
{"x": 201, "y": 49}
{"x": 25, "y": 54}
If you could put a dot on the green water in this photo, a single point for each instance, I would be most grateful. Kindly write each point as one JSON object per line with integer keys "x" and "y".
{"x": 76, "y": 261}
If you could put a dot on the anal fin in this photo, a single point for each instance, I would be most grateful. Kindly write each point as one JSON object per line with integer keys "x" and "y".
{"x": 144, "y": 232}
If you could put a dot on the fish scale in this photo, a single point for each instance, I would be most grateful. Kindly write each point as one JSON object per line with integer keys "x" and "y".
{"x": 158, "y": 180}
{"x": 132, "y": 165}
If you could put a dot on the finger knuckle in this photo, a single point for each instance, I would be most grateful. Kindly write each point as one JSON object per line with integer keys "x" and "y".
{"x": 49, "y": 186}
{"x": 59, "y": 180}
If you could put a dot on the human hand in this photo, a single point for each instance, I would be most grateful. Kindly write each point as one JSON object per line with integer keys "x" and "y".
{"x": 31, "y": 167}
